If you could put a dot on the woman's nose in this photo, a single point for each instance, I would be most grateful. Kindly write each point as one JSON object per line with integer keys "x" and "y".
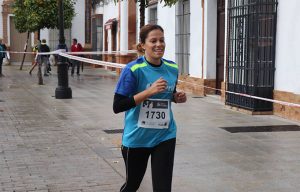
{"x": 160, "y": 43}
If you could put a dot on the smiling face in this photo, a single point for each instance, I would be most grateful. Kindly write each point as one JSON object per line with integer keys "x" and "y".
{"x": 154, "y": 46}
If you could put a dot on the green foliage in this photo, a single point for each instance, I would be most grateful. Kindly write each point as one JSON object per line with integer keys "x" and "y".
{"x": 167, "y": 2}
{"x": 33, "y": 15}
{"x": 144, "y": 4}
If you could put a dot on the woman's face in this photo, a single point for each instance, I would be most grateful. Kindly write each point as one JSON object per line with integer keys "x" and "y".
{"x": 154, "y": 45}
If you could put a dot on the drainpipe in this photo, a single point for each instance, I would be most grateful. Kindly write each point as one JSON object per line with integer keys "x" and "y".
{"x": 202, "y": 61}
{"x": 124, "y": 26}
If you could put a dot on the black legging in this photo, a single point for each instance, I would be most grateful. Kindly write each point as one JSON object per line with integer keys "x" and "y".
{"x": 162, "y": 159}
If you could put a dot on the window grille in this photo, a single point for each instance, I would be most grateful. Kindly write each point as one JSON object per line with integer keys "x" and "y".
{"x": 97, "y": 35}
{"x": 153, "y": 15}
{"x": 251, "y": 52}
{"x": 182, "y": 33}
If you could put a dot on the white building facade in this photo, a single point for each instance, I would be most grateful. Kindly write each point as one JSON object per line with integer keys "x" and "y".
{"x": 76, "y": 31}
{"x": 287, "y": 62}
{"x": 209, "y": 56}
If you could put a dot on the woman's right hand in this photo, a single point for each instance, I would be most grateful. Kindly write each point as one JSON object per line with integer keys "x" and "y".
{"x": 158, "y": 86}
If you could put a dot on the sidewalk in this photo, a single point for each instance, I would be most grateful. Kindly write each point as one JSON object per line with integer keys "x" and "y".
{"x": 50, "y": 145}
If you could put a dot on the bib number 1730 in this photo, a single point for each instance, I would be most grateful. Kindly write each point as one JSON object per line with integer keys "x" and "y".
{"x": 155, "y": 115}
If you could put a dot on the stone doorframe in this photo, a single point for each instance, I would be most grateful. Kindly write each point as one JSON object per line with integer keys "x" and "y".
{"x": 6, "y": 12}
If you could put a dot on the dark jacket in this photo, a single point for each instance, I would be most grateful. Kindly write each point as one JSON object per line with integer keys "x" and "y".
{"x": 2, "y": 48}
{"x": 43, "y": 49}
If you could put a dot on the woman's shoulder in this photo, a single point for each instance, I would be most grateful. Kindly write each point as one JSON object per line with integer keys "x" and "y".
{"x": 168, "y": 61}
{"x": 137, "y": 61}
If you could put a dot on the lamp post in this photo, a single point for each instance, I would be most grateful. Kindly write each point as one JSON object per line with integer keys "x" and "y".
{"x": 62, "y": 91}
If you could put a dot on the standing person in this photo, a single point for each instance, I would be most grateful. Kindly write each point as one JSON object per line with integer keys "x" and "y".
{"x": 2, "y": 56}
{"x": 44, "y": 48}
{"x": 80, "y": 49}
{"x": 75, "y": 63}
{"x": 145, "y": 90}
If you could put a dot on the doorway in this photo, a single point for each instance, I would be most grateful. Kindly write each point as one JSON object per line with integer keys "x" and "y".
{"x": 17, "y": 42}
{"x": 220, "y": 44}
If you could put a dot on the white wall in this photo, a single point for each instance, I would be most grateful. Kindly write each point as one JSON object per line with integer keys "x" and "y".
{"x": 196, "y": 39}
{"x": 210, "y": 31}
{"x": 44, "y": 34}
{"x": 110, "y": 11}
{"x": 1, "y": 20}
{"x": 78, "y": 23}
{"x": 124, "y": 25}
{"x": 166, "y": 19}
{"x": 287, "y": 62}
{"x": 99, "y": 10}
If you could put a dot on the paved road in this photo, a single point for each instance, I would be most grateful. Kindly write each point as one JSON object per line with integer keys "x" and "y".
{"x": 61, "y": 145}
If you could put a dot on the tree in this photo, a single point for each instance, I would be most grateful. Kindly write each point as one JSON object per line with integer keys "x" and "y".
{"x": 144, "y": 4}
{"x": 34, "y": 15}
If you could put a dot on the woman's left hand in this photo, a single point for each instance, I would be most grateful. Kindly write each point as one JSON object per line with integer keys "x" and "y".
{"x": 180, "y": 97}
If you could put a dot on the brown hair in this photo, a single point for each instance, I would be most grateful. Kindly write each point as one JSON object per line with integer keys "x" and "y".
{"x": 144, "y": 31}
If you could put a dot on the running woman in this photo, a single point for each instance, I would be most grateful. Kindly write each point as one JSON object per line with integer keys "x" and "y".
{"x": 145, "y": 90}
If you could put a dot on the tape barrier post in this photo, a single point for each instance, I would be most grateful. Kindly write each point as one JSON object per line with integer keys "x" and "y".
{"x": 25, "y": 49}
{"x": 62, "y": 91}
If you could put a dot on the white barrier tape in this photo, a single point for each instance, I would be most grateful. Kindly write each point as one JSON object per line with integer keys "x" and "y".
{"x": 74, "y": 53}
{"x": 117, "y": 65}
{"x": 246, "y": 95}
{"x": 19, "y": 52}
{"x": 92, "y": 61}
{"x": 110, "y": 64}
{"x": 33, "y": 53}
{"x": 102, "y": 52}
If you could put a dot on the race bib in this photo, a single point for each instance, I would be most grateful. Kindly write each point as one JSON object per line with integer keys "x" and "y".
{"x": 155, "y": 113}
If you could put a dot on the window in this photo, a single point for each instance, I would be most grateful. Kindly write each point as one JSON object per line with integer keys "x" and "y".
{"x": 153, "y": 14}
{"x": 251, "y": 52}
{"x": 54, "y": 38}
{"x": 97, "y": 35}
{"x": 182, "y": 44}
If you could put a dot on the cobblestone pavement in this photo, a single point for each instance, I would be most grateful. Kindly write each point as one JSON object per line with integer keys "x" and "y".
{"x": 51, "y": 145}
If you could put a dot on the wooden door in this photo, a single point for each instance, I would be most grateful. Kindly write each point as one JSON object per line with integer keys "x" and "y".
{"x": 220, "y": 43}
{"x": 17, "y": 43}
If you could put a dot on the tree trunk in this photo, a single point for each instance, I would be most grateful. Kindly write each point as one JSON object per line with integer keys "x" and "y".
{"x": 39, "y": 74}
{"x": 39, "y": 62}
{"x": 25, "y": 49}
{"x": 142, "y": 12}
{"x": 39, "y": 35}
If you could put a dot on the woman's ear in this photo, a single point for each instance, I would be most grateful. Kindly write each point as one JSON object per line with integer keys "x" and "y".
{"x": 143, "y": 46}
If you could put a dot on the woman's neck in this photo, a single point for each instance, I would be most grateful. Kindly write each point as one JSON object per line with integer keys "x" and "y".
{"x": 153, "y": 65}
{"x": 153, "y": 61}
